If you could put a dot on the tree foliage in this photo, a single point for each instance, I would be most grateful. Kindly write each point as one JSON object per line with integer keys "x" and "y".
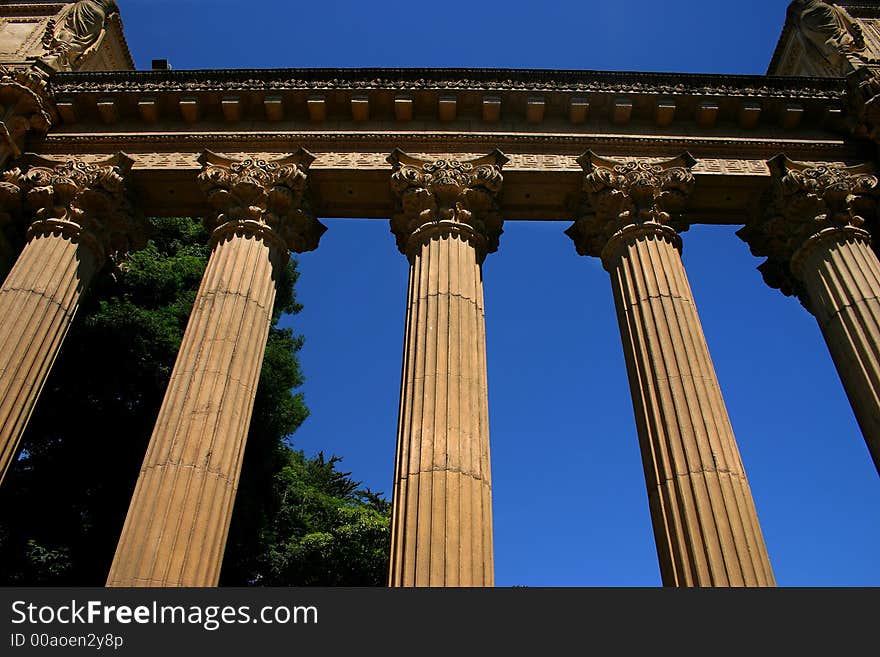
{"x": 296, "y": 521}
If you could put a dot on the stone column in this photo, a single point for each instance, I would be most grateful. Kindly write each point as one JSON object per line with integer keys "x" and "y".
{"x": 177, "y": 524}
{"x": 705, "y": 523}
{"x": 448, "y": 221}
{"x": 817, "y": 248}
{"x": 82, "y": 216}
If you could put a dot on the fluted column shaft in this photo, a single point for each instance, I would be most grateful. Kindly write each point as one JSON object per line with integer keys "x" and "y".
{"x": 448, "y": 220}
{"x": 178, "y": 520}
{"x": 705, "y": 523}
{"x": 813, "y": 234}
{"x": 442, "y": 519}
{"x": 82, "y": 214}
{"x": 840, "y": 274}
{"x": 38, "y": 301}
{"x": 175, "y": 531}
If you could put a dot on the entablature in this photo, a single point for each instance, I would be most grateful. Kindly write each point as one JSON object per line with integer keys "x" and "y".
{"x": 542, "y": 120}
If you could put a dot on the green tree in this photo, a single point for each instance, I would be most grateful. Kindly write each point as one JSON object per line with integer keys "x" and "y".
{"x": 323, "y": 530}
{"x": 64, "y": 501}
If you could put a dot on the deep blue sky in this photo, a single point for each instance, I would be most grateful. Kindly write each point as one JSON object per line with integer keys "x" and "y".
{"x": 570, "y": 502}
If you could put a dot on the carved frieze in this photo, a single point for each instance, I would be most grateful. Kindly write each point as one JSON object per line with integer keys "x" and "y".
{"x": 807, "y": 204}
{"x": 628, "y": 199}
{"x": 261, "y": 197}
{"x": 447, "y": 197}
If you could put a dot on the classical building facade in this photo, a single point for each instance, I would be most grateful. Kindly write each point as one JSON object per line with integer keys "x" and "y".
{"x": 89, "y": 147}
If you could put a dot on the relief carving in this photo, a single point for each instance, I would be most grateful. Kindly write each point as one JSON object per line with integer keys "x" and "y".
{"x": 630, "y": 198}
{"x": 444, "y": 197}
{"x": 260, "y": 197}
{"x": 23, "y": 108}
{"x": 827, "y": 31}
{"x": 806, "y": 204}
{"x": 89, "y": 202}
{"x": 77, "y": 33}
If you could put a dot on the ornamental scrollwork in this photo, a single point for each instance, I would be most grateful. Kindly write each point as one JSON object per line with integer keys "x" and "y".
{"x": 447, "y": 196}
{"x": 256, "y": 196}
{"x": 805, "y": 204}
{"x": 619, "y": 197}
{"x": 23, "y": 108}
{"x": 90, "y": 202}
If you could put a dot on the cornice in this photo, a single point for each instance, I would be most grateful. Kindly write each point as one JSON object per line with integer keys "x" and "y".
{"x": 31, "y": 8}
{"x": 450, "y": 79}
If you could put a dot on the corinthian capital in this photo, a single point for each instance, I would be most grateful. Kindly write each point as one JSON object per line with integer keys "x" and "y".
{"x": 264, "y": 198}
{"x": 807, "y": 204}
{"x": 88, "y": 201}
{"x": 447, "y": 197}
{"x": 628, "y": 199}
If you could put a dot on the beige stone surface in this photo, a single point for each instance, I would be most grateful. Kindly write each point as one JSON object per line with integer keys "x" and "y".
{"x": 175, "y": 531}
{"x": 842, "y": 281}
{"x": 442, "y": 507}
{"x": 25, "y": 109}
{"x": 705, "y": 523}
{"x": 81, "y": 35}
{"x": 813, "y": 235}
{"x": 38, "y": 301}
{"x": 81, "y": 215}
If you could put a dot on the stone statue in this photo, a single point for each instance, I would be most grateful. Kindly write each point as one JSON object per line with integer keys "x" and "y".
{"x": 77, "y": 33}
{"x": 826, "y": 27}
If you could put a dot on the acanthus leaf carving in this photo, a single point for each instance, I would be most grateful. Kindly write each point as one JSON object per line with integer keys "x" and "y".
{"x": 805, "y": 205}
{"x": 447, "y": 196}
{"x": 88, "y": 201}
{"x": 269, "y": 198}
{"x": 633, "y": 197}
{"x": 24, "y": 107}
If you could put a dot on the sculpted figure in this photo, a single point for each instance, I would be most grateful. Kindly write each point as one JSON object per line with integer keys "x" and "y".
{"x": 77, "y": 33}
{"x": 828, "y": 28}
